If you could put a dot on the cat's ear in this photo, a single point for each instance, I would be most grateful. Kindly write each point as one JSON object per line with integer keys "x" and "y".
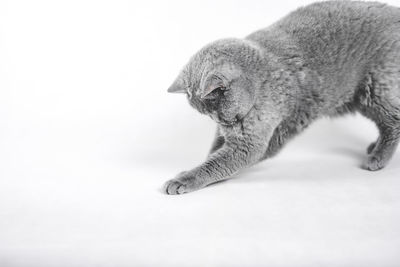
{"x": 211, "y": 84}
{"x": 177, "y": 87}
{"x": 221, "y": 78}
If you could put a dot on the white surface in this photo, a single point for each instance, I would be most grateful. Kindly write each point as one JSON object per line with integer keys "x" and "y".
{"x": 88, "y": 135}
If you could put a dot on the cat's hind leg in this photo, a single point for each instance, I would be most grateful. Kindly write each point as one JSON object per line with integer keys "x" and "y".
{"x": 383, "y": 107}
{"x": 382, "y": 150}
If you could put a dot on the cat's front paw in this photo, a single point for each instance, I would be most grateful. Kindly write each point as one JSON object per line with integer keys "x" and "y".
{"x": 374, "y": 163}
{"x": 183, "y": 183}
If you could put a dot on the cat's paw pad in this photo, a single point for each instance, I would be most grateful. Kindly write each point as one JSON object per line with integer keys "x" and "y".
{"x": 181, "y": 185}
{"x": 373, "y": 164}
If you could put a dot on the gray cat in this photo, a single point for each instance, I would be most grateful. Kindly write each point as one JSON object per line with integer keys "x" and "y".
{"x": 325, "y": 59}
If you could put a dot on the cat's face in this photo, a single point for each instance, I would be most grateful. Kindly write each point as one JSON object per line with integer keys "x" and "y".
{"x": 218, "y": 81}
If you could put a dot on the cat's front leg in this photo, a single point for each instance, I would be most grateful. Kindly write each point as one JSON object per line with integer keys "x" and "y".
{"x": 218, "y": 141}
{"x": 238, "y": 152}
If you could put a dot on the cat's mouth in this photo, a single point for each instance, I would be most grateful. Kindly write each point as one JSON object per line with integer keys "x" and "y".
{"x": 228, "y": 122}
{"x": 224, "y": 122}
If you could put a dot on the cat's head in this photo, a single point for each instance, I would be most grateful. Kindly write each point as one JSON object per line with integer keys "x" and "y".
{"x": 221, "y": 80}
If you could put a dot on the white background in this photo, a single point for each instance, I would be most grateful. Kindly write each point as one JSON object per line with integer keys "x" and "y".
{"x": 88, "y": 135}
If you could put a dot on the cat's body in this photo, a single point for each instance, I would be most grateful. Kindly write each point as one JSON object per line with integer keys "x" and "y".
{"x": 324, "y": 59}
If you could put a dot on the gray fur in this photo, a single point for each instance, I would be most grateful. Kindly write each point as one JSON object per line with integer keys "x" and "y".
{"x": 325, "y": 59}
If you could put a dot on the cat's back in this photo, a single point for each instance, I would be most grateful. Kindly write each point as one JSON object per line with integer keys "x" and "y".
{"x": 333, "y": 32}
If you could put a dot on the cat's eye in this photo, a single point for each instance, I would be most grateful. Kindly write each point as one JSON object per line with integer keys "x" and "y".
{"x": 216, "y": 92}
{"x": 219, "y": 89}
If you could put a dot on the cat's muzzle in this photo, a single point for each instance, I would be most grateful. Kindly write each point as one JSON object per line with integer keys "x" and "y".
{"x": 225, "y": 122}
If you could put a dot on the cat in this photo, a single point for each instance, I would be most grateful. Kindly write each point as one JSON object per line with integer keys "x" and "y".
{"x": 325, "y": 59}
